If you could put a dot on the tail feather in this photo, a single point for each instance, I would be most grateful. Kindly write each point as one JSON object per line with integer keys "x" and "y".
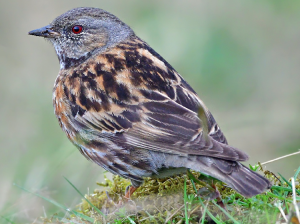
{"x": 245, "y": 181}
{"x": 235, "y": 175}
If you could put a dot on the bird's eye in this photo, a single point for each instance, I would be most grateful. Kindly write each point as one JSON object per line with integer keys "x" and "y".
{"x": 77, "y": 29}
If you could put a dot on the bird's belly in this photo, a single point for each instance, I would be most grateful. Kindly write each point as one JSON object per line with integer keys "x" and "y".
{"x": 167, "y": 172}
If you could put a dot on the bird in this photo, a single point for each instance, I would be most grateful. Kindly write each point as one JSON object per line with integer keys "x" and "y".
{"x": 129, "y": 111}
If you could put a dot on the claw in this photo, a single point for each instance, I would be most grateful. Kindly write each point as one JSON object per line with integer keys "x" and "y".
{"x": 129, "y": 191}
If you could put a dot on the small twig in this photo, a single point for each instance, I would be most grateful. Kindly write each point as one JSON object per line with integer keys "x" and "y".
{"x": 282, "y": 157}
{"x": 180, "y": 221}
{"x": 278, "y": 205}
{"x": 174, "y": 213}
{"x": 195, "y": 209}
{"x": 157, "y": 209}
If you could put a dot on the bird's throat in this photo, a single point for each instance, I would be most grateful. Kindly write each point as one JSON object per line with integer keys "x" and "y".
{"x": 68, "y": 62}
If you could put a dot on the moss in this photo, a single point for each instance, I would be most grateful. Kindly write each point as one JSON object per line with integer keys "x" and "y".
{"x": 161, "y": 200}
{"x": 155, "y": 200}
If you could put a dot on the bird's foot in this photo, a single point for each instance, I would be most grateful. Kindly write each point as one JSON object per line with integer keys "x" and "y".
{"x": 211, "y": 193}
{"x": 128, "y": 192}
{"x": 218, "y": 196}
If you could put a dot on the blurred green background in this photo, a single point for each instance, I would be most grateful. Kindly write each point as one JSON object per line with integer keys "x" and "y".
{"x": 242, "y": 57}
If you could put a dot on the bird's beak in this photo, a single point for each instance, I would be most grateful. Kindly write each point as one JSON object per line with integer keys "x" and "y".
{"x": 45, "y": 31}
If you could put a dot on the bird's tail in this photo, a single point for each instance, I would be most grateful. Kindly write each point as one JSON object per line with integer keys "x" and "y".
{"x": 245, "y": 181}
{"x": 234, "y": 174}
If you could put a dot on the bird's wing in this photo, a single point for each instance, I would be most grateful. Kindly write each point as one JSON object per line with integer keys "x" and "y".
{"x": 214, "y": 130}
{"x": 159, "y": 125}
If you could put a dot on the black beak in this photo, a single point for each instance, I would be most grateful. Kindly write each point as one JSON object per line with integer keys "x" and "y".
{"x": 45, "y": 31}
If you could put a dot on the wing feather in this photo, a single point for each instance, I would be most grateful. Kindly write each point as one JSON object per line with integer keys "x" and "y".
{"x": 162, "y": 126}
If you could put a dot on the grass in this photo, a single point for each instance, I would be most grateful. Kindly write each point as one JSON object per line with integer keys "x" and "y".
{"x": 179, "y": 200}
{"x": 75, "y": 213}
{"x": 6, "y": 219}
{"x": 185, "y": 203}
{"x": 93, "y": 206}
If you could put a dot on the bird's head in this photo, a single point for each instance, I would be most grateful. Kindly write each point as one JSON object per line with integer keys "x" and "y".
{"x": 83, "y": 32}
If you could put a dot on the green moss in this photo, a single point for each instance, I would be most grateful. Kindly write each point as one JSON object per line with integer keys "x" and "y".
{"x": 155, "y": 200}
{"x": 161, "y": 200}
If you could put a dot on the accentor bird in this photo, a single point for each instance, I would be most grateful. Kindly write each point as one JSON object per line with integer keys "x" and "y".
{"x": 129, "y": 111}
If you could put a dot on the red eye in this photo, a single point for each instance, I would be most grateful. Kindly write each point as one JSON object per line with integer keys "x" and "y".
{"x": 77, "y": 29}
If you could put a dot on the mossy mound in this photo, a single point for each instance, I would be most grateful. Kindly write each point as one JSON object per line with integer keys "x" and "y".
{"x": 156, "y": 199}
{"x": 166, "y": 201}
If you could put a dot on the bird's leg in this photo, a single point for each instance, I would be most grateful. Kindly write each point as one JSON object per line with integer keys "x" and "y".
{"x": 209, "y": 188}
{"x": 129, "y": 191}
{"x": 218, "y": 196}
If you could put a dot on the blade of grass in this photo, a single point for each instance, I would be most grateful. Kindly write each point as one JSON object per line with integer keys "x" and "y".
{"x": 294, "y": 199}
{"x": 203, "y": 183}
{"x": 98, "y": 210}
{"x": 204, "y": 212}
{"x": 288, "y": 183}
{"x": 171, "y": 216}
{"x": 207, "y": 211}
{"x": 279, "y": 197}
{"x": 280, "y": 188}
{"x": 254, "y": 167}
{"x": 265, "y": 200}
{"x": 225, "y": 212}
{"x": 214, "y": 218}
{"x": 8, "y": 220}
{"x": 46, "y": 199}
{"x": 130, "y": 220}
{"x": 150, "y": 216}
{"x": 297, "y": 173}
{"x": 185, "y": 202}
{"x": 79, "y": 215}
